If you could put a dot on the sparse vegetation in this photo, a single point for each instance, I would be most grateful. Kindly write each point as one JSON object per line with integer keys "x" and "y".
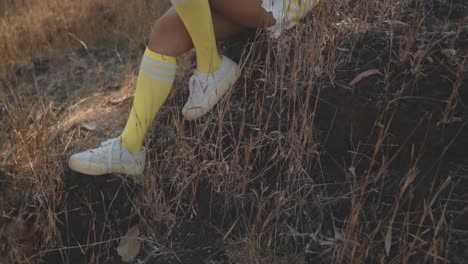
{"x": 345, "y": 141}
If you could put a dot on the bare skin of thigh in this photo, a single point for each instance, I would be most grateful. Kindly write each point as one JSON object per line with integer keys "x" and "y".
{"x": 246, "y": 13}
{"x": 170, "y": 37}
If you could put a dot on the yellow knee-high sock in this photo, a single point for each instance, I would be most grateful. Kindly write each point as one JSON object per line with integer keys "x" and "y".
{"x": 154, "y": 83}
{"x": 196, "y": 15}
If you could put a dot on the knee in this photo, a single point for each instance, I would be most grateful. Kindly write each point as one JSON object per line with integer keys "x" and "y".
{"x": 169, "y": 37}
{"x": 157, "y": 38}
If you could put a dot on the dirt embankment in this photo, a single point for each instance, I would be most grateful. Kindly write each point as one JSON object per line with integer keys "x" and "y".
{"x": 342, "y": 143}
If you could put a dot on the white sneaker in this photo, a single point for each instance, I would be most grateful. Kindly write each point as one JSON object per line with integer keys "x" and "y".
{"x": 110, "y": 157}
{"x": 207, "y": 89}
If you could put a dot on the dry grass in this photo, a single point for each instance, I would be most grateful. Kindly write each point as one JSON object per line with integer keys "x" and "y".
{"x": 279, "y": 177}
{"x": 30, "y": 28}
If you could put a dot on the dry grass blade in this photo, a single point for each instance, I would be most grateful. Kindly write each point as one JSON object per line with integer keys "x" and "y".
{"x": 293, "y": 166}
{"x": 363, "y": 75}
{"x": 388, "y": 240}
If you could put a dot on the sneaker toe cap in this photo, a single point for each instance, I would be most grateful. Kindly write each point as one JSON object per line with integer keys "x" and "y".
{"x": 80, "y": 163}
{"x": 192, "y": 112}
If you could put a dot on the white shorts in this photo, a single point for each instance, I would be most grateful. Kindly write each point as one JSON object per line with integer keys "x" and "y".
{"x": 287, "y": 13}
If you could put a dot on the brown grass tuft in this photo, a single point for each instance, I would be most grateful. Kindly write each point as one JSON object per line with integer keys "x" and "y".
{"x": 299, "y": 164}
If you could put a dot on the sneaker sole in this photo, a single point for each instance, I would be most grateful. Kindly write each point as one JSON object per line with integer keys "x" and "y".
{"x": 95, "y": 172}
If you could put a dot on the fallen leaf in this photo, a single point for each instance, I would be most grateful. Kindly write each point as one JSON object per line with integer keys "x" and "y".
{"x": 449, "y": 52}
{"x": 90, "y": 126}
{"x": 130, "y": 244}
{"x": 119, "y": 99}
{"x": 363, "y": 75}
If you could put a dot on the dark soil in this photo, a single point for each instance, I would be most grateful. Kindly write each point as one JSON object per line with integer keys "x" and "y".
{"x": 95, "y": 209}
{"x": 411, "y": 105}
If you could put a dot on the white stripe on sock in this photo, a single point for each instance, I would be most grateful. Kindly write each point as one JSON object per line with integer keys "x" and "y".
{"x": 156, "y": 77}
{"x": 156, "y": 69}
{"x": 160, "y": 63}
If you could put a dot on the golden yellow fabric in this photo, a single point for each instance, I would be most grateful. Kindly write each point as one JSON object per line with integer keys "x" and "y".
{"x": 196, "y": 16}
{"x": 154, "y": 84}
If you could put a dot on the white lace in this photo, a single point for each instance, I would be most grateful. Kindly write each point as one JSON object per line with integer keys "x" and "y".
{"x": 109, "y": 146}
{"x": 197, "y": 91}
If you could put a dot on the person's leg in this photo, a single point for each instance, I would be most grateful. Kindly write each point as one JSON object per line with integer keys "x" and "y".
{"x": 196, "y": 16}
{"x": 168, "y": 39}
{"x": 264, "y": 13}
{"x": 169, "y": 35}
{"x": 215, "y": 74}
{"x": 247, "y": 13}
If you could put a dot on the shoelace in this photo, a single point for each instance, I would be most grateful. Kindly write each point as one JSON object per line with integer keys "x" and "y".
{"x": 195, "y": 93}
{"x": 110, "y": 142}
{"x": 203, "y": 85}
{"x": 105, "y": 145}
